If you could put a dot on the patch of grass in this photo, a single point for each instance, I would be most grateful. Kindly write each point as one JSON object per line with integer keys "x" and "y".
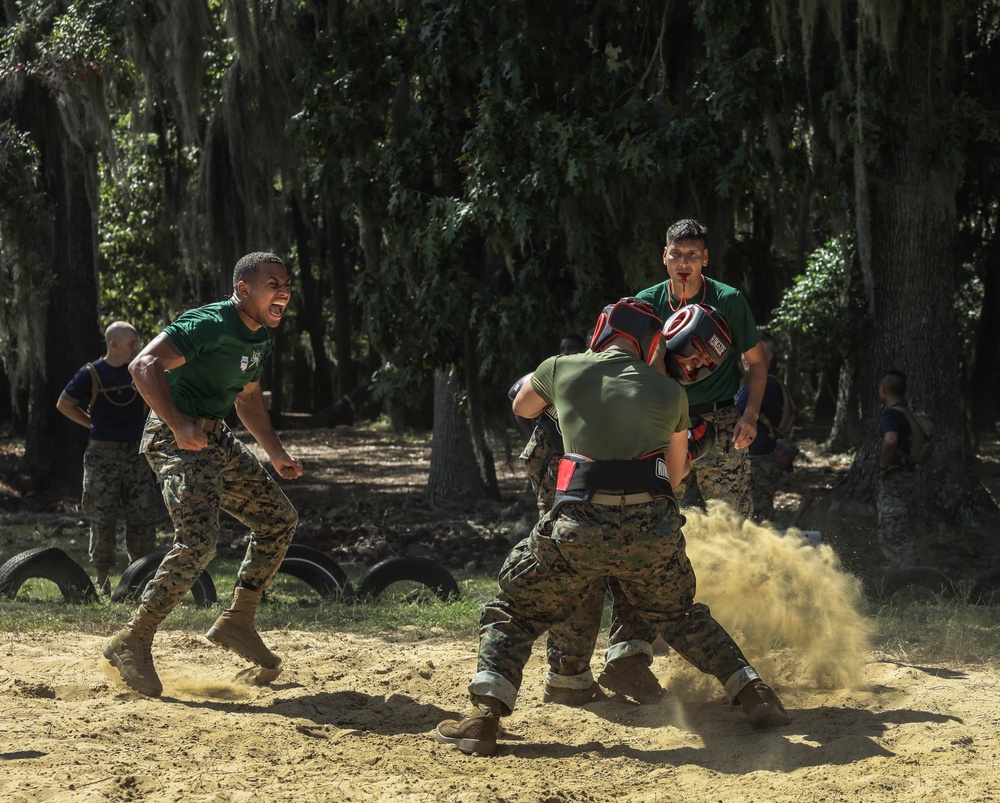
{"x": 938, "y": 630}
{"x": 290, "y": 605}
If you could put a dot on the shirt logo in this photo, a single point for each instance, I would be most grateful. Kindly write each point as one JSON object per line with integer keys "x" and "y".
{"x": 246, "y": 363}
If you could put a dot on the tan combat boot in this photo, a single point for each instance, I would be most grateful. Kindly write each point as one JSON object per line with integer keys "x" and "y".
{"x": 761, "y": 705}
{"x": 476, "y": 734}
{"x": 631, "y": 676}
{"x": 234, "y": 630}
{"x": 572, "y": 697}
{"x": 131, "y": 652}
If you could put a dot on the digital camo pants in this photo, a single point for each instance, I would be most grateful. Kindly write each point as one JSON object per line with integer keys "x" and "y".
{"x": 196, "y": 485}
{"x": 723, "y": 473}
{"x": 570, "y": 644}
{"x": 117, "y": 484}
{"x": 765, "y": 474}
{"x": 896, "y": 536}
{"x": 640, "y": 545}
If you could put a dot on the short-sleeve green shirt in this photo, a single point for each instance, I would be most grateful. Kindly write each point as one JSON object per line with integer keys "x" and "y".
{"x": 222, "y": 356}
{"x": 721, "y": 385}
{"x": 612, "y": 406}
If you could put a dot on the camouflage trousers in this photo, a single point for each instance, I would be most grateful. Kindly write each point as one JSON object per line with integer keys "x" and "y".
{"x": 541, "y": 464}
{"x": 723, "y": 473}
{"x": 196, "y": 485}
{"x": 765, "y": 473}
{"x": 570, "y": 644}
{"x": 547, "y": 580}
{"x": 118, "y": 485}
{"x": 896, "y": 498}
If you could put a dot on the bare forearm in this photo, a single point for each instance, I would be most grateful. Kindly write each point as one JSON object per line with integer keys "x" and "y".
{"x": 73, "y": 411}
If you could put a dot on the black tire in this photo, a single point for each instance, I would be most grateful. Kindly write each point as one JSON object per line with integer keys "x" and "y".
{"x": 915, "y": 582}
{"x": 47, "y": 563}
{"x": 317, "y": 570}
{"x": 415, "y": 570}
{"x": 986, "y": 589}
{"x": 141, "y": 571}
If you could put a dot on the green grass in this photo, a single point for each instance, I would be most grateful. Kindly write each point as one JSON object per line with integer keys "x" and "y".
{"x": 932, "y": 630}
{"x": 290, "y": 603}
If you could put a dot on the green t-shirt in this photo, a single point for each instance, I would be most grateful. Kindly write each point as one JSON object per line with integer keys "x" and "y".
{"x": 612, "y": 406}
{"x": 721, "y": 385}
{"x": 221, "y": 357}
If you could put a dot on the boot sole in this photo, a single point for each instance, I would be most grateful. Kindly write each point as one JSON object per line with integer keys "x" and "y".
{"x": 618, "y": 686}
{"x": 475, "y": 746}
{"x": 118, "y": 664}
{"x": 596, "y": 697}
{"x": 220, "y": 639}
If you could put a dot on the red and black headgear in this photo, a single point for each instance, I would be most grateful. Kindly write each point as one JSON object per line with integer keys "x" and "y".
{"x": 632, "y": 319}
{"x": 696, "y": 328}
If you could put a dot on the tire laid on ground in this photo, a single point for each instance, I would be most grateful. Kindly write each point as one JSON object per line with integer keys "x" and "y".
{"x": 424, "y": 571}
{"x": 986, "y": 589}
{"x": 47, "y": 563}
{"x": 317, "y": 570}
{"x": 141, "y": 571}
{"x": 917, "y": 579}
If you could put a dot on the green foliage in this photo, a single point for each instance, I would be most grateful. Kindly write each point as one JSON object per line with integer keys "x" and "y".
{"x": 823, "y": 309}
{"x": 25, "y": 242}
{"x": 140, "y": 261}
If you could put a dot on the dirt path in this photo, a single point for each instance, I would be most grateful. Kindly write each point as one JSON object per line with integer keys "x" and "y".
{"x": 351, "y": 719}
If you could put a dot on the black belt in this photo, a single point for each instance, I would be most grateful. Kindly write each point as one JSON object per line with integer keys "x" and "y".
{"x": 709, "y": 407}
{"x": 129, "y": 445}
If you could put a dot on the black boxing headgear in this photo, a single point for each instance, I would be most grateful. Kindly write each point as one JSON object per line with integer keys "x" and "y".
{"x": 632, "y": 319}
{"x": 694, "y": 329}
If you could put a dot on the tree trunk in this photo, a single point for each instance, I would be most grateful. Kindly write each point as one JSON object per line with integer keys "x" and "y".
{"x": 454, "y": 475}
{"x": 54, "y": 445}
{"x": 844, "y": 433}
{"x": 313, "y": 321}
{"x": 984, "y": 373}
{"x": 904, "y": 242}
{"x": 343, "y": 329}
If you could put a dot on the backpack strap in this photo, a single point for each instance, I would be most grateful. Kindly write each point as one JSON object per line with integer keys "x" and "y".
{"x": 97, "y": 388}
{"x": 95, "y": 385}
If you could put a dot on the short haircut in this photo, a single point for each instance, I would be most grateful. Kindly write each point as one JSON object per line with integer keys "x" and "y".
{"x": 894, "y": 381}
{"x": 248, "y": 266}
{"x": 116, "y": 330}
{"x": 687, "y": 229}
{"x": 572, "y": 344}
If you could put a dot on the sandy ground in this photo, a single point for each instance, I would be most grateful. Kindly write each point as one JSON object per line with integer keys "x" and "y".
{"x": 351, "y": 718}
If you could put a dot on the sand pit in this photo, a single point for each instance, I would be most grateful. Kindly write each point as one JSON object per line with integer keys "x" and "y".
{"x": 351, "y": 718}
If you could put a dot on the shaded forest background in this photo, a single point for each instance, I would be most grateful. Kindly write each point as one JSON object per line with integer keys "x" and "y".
{"x": 455, "y": 185}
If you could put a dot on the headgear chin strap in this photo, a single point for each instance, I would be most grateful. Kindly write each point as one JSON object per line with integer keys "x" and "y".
{"x": 632, "y": 319}
{"x": 692, "y": 330}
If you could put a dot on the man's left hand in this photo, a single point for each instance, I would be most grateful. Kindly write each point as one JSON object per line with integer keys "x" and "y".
{"x": 745, "y": 432}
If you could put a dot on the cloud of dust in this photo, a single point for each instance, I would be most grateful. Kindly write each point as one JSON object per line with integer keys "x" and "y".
{"x": 775, "y": 594}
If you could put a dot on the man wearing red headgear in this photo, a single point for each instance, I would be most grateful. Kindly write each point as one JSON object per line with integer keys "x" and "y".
{"x": 625, "y": 430}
